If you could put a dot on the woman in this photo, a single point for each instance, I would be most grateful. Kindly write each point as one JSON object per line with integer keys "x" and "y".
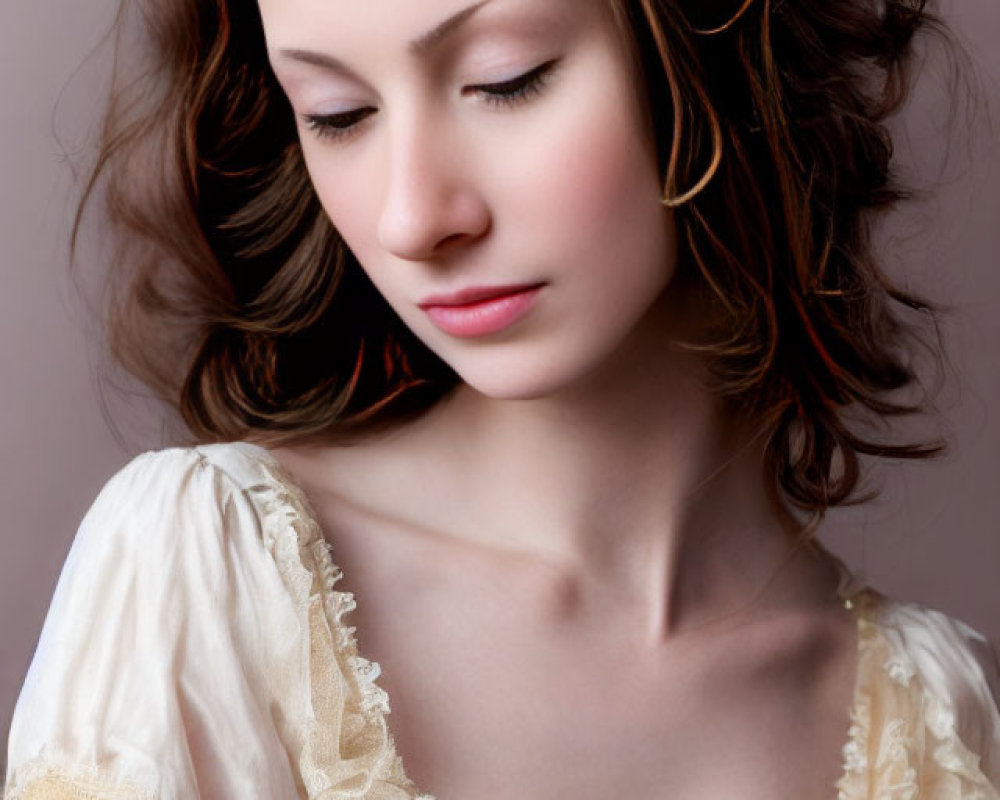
{"x": 549, "y": 316}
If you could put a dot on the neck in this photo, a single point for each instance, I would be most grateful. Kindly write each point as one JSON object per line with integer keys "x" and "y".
{"x": 633, "y": 484}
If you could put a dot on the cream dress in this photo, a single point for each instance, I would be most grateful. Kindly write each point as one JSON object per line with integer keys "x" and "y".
{"x": 196, "y": 647}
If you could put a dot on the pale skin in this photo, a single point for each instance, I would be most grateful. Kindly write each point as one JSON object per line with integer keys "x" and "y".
{"x": 571, "y": 571}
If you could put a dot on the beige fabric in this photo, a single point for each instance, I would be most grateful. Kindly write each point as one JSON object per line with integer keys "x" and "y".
{"x": 196, "y": 647}
{"x": 924, "y": 720}
{"x": 73, "y": 783}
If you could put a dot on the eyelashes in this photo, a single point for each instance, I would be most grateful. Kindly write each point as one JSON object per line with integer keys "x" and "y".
{"x": 517, "y": 89}
{"x": 506, "y": 94}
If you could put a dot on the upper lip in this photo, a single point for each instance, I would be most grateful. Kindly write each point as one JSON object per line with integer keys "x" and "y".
{"x": 475, "y": 294}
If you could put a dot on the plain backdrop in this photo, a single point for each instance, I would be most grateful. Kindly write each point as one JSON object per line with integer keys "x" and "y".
{"x": 932, "y": 537}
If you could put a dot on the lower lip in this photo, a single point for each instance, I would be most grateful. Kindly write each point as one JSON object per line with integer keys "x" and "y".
{"x": 486, "y": 316}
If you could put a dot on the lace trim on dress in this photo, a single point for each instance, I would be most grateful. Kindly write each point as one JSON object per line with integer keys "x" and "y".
{"x": 347, "y": 751}
{"x": 903, "y": 740}
{"x": 43, "y": 779}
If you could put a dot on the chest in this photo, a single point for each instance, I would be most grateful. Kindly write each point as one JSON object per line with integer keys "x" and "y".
{"x": 495, "y": 695}
{"x": 468, "y": 726}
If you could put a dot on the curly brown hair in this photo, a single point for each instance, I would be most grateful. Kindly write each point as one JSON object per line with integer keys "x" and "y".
{"x": 235, "y": 299}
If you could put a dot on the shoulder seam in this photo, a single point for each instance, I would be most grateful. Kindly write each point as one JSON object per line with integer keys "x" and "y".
{"x": 253, "y": 466}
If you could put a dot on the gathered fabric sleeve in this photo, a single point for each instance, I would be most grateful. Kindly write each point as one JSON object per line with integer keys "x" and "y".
{"x": 958, "y": 666}
{"x": 926, "y": 718}
{"x": 150, "y": 679}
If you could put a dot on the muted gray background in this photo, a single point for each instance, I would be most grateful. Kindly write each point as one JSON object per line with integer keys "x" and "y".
{"x": 932, "y": 537}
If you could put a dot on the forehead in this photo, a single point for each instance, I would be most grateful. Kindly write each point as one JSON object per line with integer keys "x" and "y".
{"x": 412, "y": 27}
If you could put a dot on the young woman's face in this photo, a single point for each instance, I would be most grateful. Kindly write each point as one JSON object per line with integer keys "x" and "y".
{"x": 500, "y": 145}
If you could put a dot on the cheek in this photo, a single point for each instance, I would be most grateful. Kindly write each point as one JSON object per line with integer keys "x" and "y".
{"x": 346, "y": 189}
{"x": 596, "y": 172}
{"x": 589, "y": 161}
{"x": 602, "y": 189}
{"x": 611, "y": 244}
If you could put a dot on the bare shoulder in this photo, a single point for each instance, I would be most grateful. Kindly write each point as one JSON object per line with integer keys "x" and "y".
{"x": 400, "y": 475}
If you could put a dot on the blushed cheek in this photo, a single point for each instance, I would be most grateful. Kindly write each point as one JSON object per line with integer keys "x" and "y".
{"x": 605, "y": 177}
{"x": 591, "y": 156}
{"x": 598, "y": 184}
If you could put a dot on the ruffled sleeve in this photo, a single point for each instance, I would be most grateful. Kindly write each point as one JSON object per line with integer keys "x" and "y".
{"x": 925, "y": 721}
{"x": 333, "y": 710}
{"x": 146, "y": 682}
{"x": 958, "y": 668}
{"x": 196, "y": 647}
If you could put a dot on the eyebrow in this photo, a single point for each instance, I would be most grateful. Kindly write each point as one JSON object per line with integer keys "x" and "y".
{"x": 428, "y": 41}
{"x": 420, "y": 47}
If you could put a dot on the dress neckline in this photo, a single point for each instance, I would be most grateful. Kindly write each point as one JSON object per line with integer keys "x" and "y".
{"x": 854, "y": 594}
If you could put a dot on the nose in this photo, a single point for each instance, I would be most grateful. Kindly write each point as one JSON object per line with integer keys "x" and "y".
{"x": 431, "y": 203}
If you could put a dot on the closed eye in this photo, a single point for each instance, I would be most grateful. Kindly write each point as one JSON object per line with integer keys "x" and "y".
{"x": 505, "y": 94}
{"x": 517, "y": 89}
{"x": 336, "y": 126}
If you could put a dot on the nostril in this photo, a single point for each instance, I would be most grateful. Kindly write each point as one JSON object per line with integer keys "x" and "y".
{"x": 447, "y": 240}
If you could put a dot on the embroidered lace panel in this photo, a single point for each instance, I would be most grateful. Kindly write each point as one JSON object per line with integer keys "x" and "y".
{"x": 347, "y": 751}
{"x": 43, "y": 780}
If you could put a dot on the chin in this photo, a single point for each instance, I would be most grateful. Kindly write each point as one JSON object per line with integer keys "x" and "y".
{"x": 510, "y": 379}
{"x": 524, "y": 373}
{"x": 533, "y": 388}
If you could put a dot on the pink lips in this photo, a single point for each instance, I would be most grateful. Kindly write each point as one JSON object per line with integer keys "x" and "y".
{"x": 480, "y": 311}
